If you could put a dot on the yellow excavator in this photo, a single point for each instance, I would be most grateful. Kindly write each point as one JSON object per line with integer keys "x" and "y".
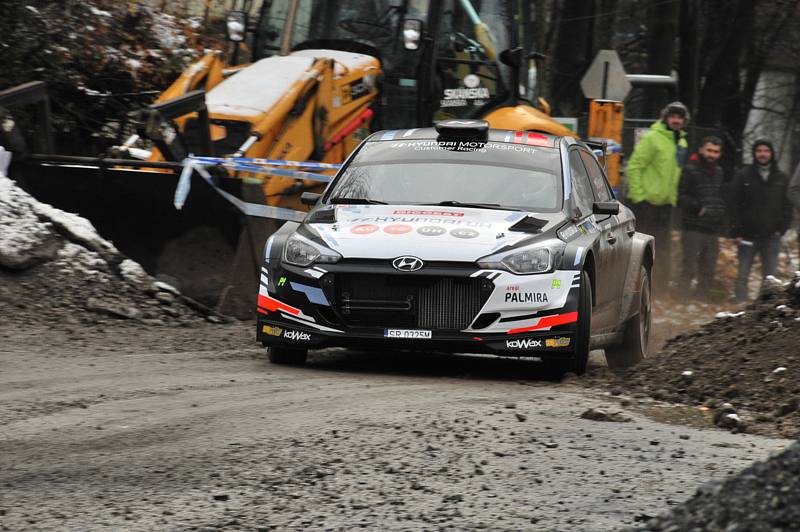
{"x": 322, "y": 75}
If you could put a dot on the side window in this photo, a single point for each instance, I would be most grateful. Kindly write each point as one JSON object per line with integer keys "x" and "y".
{"x": 580, "y": 184}
{"x": 599, "y": 183}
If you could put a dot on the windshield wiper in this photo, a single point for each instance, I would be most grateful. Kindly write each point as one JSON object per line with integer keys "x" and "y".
{"x": 357, "y": 201}
{"x": 454, "y": 203}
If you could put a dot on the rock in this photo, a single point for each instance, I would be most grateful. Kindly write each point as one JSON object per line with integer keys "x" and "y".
{"x": 133, "y": 272}
{"x": 165, "y": 287}
{"x": 520, "y": 416}
{"x": 165, "y": 298}
{"x": 595, "y": 414}
{"x": 220, "y": 497}
{"x": 787, "y": 408}
{"x": 25, "y": 239}
{"x": 117, "y": 310}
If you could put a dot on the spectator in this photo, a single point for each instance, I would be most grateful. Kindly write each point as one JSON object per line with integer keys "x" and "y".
{"x": 652, "y": 178}
{"x": 760, "y": 213}
{"x": 702, "y": 204}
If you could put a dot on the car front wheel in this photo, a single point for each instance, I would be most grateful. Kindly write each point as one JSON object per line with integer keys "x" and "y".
{"x": 581, "y": 358}
{"x": 637, "y": 330}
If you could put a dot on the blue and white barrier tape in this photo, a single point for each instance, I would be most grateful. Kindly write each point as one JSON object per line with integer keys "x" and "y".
{"x": 192, "y": 164}
{"x": 272, "y": 162}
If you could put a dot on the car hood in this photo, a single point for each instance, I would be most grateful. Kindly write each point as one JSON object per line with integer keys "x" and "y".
{"x": 429, "y": 233}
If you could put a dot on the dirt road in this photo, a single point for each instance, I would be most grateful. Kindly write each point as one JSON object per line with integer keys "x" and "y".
{"x": 190, "y": 428}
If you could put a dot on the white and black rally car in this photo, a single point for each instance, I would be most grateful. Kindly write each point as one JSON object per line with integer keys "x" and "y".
{"x": 461, "y": 238}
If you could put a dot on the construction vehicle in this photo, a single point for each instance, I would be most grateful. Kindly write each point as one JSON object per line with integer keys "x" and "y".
{"x": 322, "y": 75}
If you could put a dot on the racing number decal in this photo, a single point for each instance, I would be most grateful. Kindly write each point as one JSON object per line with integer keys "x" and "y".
{"x": 397, "y": 229}
{"x": 364, "y": 229}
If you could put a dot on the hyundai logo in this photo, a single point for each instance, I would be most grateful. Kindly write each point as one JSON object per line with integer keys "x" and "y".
{"x": 407, "y": 264}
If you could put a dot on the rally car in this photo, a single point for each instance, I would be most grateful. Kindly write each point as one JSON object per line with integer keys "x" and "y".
{"x": 461, "y": 238}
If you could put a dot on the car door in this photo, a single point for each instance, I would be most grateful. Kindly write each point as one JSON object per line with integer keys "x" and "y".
{"x": 603, "y": 317}
{"x": 615, "y": 229}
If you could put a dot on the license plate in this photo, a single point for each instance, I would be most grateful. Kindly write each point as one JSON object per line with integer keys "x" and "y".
{"x": 407, "y": 333}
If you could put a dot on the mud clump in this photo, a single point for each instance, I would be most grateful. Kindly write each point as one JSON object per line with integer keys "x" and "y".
{"x": 55, "y": 267}
{"x": 742, "y": 367}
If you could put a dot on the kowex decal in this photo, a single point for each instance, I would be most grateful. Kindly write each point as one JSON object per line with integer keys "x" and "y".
{"x": 298, "y": 336}
{"x": 524, "y": 343}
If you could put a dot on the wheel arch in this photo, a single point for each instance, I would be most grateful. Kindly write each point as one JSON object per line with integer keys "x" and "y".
{"x": 591, "y": 271}
{"x": 642, "y": 254}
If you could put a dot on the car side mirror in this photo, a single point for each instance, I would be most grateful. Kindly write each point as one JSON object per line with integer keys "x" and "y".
{"x": 605, "y": 207}
{"x": 236, "y": 25}
{"x": 412, "y": 33}
{"x": 309, "y": 198}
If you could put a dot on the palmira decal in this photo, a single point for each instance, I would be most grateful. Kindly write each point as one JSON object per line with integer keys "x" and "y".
{"x": 526, "y": 297}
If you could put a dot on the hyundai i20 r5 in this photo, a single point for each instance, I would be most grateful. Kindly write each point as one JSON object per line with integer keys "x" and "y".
{"x": 462, "y": 239}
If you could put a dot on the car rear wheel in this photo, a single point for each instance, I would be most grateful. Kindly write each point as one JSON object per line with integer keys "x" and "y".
{"x": 637, "y": 331}
{"x": 287, "y": 356}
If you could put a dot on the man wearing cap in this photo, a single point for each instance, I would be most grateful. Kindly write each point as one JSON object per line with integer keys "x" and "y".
{"x": 760, "y": 214}
{"x": 652, "y": 178}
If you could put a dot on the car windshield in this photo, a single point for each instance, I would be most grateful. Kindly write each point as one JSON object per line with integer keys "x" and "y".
{"x": 429, "y": 172}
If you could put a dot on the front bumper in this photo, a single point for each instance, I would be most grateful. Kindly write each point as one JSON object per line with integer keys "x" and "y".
{"x": 459, "y": 308}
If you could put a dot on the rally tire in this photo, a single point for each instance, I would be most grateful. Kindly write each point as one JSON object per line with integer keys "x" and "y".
{"x": 583, "y": 334}
{"x": 637, "y": 330}
{"x": 287, "y": 356}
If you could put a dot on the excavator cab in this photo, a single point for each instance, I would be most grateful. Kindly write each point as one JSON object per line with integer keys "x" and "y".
{"x": 441, "y": 59}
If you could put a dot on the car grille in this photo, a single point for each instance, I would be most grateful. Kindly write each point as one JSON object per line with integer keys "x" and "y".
{"x": 418, "y": 301}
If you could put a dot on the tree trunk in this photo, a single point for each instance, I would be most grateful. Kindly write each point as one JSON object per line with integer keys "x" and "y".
{"x": 730, "y": 28}
{"x": 688, "y": 61}
{"x": 663, "y": 29}
{"x": 570, "y": 57}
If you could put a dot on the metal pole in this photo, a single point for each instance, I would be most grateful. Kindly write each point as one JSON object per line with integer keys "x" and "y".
{"x": 288, "y": 28}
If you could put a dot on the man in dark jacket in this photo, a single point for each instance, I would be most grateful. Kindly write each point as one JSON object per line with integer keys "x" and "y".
{"x": 760, "y": 213}
{"x": 702, "y": 205}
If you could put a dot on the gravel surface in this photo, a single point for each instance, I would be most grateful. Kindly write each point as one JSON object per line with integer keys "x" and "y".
{"x": 765, "y": 497}
{"x": 742, "y": 368}
{"x": 123, "y": 427}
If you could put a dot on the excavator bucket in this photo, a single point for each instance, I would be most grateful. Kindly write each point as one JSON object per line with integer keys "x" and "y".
{"x": 131, "y": 201}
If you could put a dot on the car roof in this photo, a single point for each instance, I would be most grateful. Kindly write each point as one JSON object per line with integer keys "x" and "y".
{"x": 531, "y": 138}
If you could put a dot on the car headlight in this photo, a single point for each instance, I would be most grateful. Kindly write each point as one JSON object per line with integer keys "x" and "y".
{"x": 539, "y": 258}
{"x": 302, "y": 252}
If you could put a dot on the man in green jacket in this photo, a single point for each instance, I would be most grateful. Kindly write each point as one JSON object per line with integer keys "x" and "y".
{"x": 652, "y": 177}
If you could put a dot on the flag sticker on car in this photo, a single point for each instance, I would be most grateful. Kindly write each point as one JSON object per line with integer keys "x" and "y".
{"x": 407, "y": 333}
